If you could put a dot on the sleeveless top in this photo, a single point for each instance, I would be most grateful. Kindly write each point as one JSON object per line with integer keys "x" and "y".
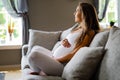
{"x": 71, "y": 37}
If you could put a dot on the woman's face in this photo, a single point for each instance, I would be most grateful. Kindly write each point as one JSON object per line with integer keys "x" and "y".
{"x": 78, "y": 15}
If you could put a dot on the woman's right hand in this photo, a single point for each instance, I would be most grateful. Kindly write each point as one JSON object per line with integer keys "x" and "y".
{"x": 65, "y": 43}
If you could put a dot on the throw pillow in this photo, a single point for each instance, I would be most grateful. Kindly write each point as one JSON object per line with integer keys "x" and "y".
{"x": 83, "y": 64}
{"x": 110, "y": 66}
{"x": 43, "y": 38}
{"x": 100, "y": 39}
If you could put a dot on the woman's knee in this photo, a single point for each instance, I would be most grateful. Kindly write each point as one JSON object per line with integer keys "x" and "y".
{"x": 33, "y": 56}
{"x": 35, "y": 48}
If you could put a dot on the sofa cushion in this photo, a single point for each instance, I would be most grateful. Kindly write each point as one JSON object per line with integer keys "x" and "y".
{"x": 83, "y": 64}
{"x": 43, "y": 38}
{"x": 100, "y": 39}
{"x": 26, "y": 76}
{"x": 110, "y": 67}
{"x": 35, "y": 77}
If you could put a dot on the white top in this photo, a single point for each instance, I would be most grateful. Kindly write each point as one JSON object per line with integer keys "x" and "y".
{"x": 71, "y": 37}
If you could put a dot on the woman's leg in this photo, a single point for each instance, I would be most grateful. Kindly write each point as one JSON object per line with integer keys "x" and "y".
{"x": 41, "y": 59}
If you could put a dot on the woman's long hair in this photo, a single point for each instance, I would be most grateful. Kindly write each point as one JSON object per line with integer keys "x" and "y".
{"x": 90, "y": 15}
{"x": 91, "y": 20}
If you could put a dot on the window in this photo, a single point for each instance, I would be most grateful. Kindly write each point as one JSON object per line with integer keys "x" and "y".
{"x": 111, "y": 14}
{"x": 10, "y": 28}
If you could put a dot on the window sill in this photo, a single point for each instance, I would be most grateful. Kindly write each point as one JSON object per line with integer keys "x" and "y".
{"x": 7, "y": 47}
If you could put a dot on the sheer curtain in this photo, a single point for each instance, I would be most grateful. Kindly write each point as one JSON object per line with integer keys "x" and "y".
{"x": 101, "y": 7}
{"x": 19, "y": 8}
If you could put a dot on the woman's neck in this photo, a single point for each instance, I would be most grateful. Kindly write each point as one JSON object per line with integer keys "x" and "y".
{"x": 82, "y": 24}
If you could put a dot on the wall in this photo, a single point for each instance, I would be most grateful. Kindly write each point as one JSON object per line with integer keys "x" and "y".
{"x": 10, "y": 59}
{"x": 52, "y": 15}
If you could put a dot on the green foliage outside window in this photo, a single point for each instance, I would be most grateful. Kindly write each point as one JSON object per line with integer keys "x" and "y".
{"x": 111, "y": 16}
{"x": 5, "y": 34}
{"x": 111, "y": 12}
{"x": 2, "y": 18}
{"x": 2, "y": 33}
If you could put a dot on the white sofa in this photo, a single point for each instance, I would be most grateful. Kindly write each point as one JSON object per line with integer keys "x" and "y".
{"x": 99, "y": 61}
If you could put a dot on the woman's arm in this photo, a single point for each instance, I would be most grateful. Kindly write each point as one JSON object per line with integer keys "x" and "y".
{"x": 86, "y": 41}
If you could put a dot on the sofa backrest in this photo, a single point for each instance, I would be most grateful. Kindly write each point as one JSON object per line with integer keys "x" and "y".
{"x": 110, "y": 66}
{"x": 100, "y": 39}
{"x": 43, "y": 38}
{"x": 109, "y": 69}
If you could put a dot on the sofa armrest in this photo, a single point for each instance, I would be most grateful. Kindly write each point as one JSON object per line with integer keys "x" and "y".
{"x": 24, "y": 49}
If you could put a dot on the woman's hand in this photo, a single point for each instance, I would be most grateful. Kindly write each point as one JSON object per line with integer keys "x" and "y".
{"x": 64, "y": 58}
{"x": 65, "y": 43}
{"x": 57, "y": 59}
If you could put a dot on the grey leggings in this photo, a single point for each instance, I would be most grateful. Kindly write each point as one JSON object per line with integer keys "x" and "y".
{"x": 40, "y": 58}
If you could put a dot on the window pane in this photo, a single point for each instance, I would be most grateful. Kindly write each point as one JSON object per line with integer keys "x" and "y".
{"x": 2, "y": 36}
{"x": 111, "y": 14}
{"x": 10, "y": 28}
{"x": 2, "y": 18}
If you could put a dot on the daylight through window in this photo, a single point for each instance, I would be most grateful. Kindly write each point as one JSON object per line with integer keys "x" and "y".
{"x": 10, "y": 28}
{"x": 111, "y": 14}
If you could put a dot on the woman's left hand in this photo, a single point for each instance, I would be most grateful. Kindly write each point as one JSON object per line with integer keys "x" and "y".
{"x": 65, "y": 43}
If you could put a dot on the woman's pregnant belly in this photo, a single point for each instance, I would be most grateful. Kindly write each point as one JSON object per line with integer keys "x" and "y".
{"x": 61, "y": 51}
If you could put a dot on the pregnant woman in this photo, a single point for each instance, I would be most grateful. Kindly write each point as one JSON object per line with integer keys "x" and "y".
{"x": 45, "y": 62}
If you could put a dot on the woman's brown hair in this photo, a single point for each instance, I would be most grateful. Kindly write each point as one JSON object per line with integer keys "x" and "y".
{"x": 91, "y": 20}
{"x": 90, "y": 15}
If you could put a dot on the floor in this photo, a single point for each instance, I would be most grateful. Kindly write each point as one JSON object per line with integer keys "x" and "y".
{"x": 13, "y": 75}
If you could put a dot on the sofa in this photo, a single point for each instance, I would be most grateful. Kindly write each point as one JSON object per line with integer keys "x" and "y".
{"x": 99, "y": 61}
